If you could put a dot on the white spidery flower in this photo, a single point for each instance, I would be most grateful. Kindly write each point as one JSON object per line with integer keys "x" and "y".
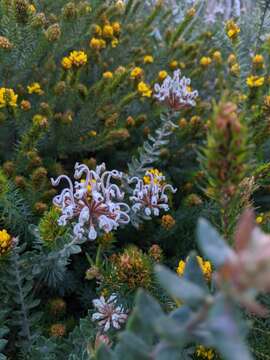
{"x": 109, "y": 314}
{"x": 176, "y": 92}
{"x": 94, "y": 202}
{"x": 149, "y": 195}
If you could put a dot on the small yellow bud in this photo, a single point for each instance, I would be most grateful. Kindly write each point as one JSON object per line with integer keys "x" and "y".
{"x": 191, "y": 12}
{"x": 107, "y": 75}
{"x": 205, "y": 61}
{"x": 232, "y": 59}
{"x": 217, "y": 57}
{"x": 173, "y": 64}
{"x": 108, "y": 31}
{"x": 162, "y": 75}
{"x": 148, "y": 59}
{"x": 137, "y": 72}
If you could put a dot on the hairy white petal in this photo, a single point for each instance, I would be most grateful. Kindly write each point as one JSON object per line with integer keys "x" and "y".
{"x": 176, "y": 92}
{"x": 92, "y": 235}
{"x": 109, "y": 314}
{"x": 93, "y": 203}
{"x": 97, "y": 316}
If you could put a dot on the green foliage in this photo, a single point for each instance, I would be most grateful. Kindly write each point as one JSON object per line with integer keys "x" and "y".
{"x": 14, "y": 212}
{"x": 55, "y": 113}
{"x": 19, "y": 288}
{"x": 3, "y": 333}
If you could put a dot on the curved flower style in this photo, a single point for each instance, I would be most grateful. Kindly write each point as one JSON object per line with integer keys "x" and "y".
{"x": 108, "y": 313}
{"x": 149, "y": 194}
{"x": 94, "y": 201}
{"x": 175, "y": 92}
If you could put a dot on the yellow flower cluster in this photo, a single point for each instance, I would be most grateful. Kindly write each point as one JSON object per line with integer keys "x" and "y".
{"x": 144, "y": 89}
{"x": 205, "y": 61}
{"x": 173, "y": 64}
{"x": 136, "y": 73}
{"x": 66, "y": 63}
{"x": 206, "y": 267}
{"x": 109, "y": 32}
{"x": 107, "y": 75}
{"x": 5, "y": 242}
{"x": 217, "y": 57}
{"x": 181, "y": 267}
{"x": 8, "y": 98}
{"x": 205, "y": 353}
{"x": 97, "y": 44}
{"x": 258, "y": 60}
{"x": 148, "y": 59}
{"x": 254, "y": 81}
{"x": 35, "y": 88}
{"x": 75, "y": 58}
{"x": 162, "y": 75}
{"x": 232, "y": 29}
{"x": 32, "y": 9}
{"x": 156, "y": 175}
{"x": 78, "y": 58}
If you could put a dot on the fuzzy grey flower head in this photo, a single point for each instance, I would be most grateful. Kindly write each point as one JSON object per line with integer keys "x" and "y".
{"x": 149, "y": 195}
{"x": 109, "y": 314}
{"x": 176, "y": 92}
{"x": 94, "y": 203}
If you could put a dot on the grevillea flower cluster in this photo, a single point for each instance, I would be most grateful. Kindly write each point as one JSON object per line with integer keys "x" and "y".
{"x": 176, "y": 92}
{"x": 149, "y": 195}
{"x": 94, "y": 203}
{"x": 109, "y": 314}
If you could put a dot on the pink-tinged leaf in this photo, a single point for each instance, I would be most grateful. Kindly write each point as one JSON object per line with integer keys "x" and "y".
{"x": 244, "y": 229}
